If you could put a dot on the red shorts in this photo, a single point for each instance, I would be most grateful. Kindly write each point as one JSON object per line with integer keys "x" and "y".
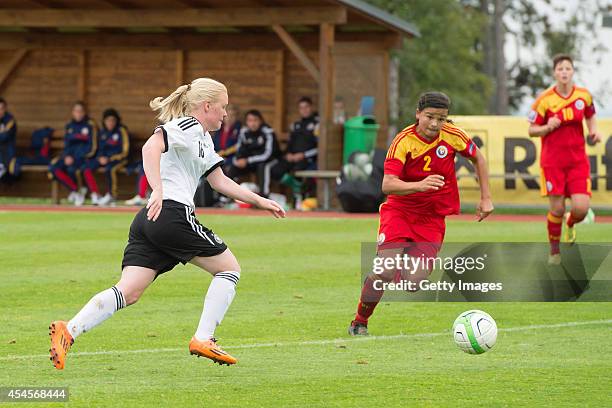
{"x": 565, "y": 181}
{"x": 398, "y": 227}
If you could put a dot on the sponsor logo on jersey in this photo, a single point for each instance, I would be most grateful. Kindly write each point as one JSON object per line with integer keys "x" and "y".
{"x": 381, "y": 238}
{"x": 532, "y": 116}
{"x": 441, "y": 152}
{"x": 85, "y": 131}
{"x": 116, "y": 137}
{"x": 579, "y": 104}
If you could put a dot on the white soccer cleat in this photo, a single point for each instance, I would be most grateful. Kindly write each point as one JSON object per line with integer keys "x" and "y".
{"x": 79, "y": 199}
{"x": 72, "y": 196}
{"x": 105, "y": 200}
{"x": 136, "y": 200}
{"x": 95, "y": 199}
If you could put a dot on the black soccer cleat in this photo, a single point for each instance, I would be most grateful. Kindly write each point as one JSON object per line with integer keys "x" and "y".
{"x": 358, "y": 329}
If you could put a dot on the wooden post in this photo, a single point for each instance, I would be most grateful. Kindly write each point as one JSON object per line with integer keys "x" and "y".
{"x": 279, "y": 92}
{"x": 326, "y": 96}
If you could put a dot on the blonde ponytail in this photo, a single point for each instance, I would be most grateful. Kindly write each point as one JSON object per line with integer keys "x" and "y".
{"x": 186, "y": 98}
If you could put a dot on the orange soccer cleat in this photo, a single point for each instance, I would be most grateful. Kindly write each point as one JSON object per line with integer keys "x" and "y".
{"x": 209, "y": 349}
{"x": 61, "y": 340}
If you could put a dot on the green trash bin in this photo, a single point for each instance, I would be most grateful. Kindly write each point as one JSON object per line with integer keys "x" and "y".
{"x": 359, "y": 135}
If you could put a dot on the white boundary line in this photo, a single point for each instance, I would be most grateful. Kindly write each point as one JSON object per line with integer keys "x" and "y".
{"x": 316, "y": 342}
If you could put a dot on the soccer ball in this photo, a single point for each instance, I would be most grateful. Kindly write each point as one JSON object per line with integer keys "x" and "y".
{"x": 475, "y": 332}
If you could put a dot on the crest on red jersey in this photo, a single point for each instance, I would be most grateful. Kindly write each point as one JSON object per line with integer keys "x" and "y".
{"x": 579, "y": 104}
{"x": 441, "y": 151}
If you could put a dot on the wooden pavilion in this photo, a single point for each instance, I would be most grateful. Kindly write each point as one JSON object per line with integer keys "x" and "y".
{"x": 122, "y": 53}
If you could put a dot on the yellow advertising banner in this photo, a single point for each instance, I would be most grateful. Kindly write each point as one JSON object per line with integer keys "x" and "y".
{"x": 514, "y": 161}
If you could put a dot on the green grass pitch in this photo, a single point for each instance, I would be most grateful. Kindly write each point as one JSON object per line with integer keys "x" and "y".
{"x": 287, "y": 326}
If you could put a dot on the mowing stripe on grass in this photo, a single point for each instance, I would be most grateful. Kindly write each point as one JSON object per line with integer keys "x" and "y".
{"x": 316, "y": 342}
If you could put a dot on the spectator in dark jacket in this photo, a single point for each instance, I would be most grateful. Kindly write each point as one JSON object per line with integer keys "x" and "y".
{"x": 226, "y": 138}
{"x": 8, "y": 133}
{"x": 80, "y": 142}
{"x": 112, "y": 155}
{"x": 301, "y": 151}
{"x": 257, "y": 151}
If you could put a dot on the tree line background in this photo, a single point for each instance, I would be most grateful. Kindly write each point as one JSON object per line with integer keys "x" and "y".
{"x": 462, "y": 43}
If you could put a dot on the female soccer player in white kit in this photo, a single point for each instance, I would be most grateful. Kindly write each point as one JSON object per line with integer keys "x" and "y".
{"x": 166, "y": 231}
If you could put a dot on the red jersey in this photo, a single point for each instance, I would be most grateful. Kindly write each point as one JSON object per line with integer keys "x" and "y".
{"x": 563, "y": 146}
{"x": 412, "y": 158}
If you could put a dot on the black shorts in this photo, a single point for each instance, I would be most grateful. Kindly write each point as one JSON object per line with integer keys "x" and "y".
{"x": 176, "y": 236}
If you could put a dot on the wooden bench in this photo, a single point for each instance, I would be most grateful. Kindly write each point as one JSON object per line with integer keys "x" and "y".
{"x": 325, "y": 176}
{"x": 55, "y": 191}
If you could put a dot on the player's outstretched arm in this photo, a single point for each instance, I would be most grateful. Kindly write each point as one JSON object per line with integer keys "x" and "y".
{"x": 226, "y": 186}
{"x": 151, "y": 156}
{"x": 485, "y": 207}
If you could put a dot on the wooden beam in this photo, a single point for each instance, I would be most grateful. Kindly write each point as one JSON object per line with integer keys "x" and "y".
{"x": 299, "y": 53}
{"x": 180, "y": 67}
{"x": 279, "y": 92}
{"x": 11, "y": 66}
{"x": 227, "y": 17}
{"x": 172, "y": 41}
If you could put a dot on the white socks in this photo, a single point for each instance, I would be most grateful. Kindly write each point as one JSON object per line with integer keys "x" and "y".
{"x": 98, "y": 309}
{"x": 219, "y": 297}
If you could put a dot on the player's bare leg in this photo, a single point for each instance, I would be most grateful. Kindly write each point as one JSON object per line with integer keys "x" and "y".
{"x": 554, "y": 220}
{"x": 226, "y": 273}
{"x": 134, "y": 280}
{"x": 580, "y": 207}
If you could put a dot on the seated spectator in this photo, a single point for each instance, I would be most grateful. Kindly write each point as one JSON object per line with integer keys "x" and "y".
{"x": 226, "y": 138}
{"x": 257, "y": 151}
{"x": 8, "y": 133}
{"x": 80, "y": 142}
{"x": 142, "y": 185}
{"x": 301, "y": 151}
{"x": 112, "y": 153}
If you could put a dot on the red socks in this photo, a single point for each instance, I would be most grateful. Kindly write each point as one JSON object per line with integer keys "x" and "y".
{"x": 554, "y": 225}
{"x": 368, "y": 301}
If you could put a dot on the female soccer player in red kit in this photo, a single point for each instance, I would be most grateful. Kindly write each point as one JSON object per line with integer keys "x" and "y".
{"x": 556, "y": 116}
{"x": 422, "y": 190}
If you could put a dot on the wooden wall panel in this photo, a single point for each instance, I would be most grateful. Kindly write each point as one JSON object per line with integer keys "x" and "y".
{"x": 43, "y": 89}
{"x": 248, "y": 75}
{"x": 364, "y": 75}
{"x": 127, "y": 81}
{"x": 298, "y": 83}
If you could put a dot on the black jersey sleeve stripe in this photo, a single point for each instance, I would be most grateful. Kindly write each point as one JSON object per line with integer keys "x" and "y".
{"x": 182, "y": 122}
{"x": 187, "y": 122}
{"x": 189, "y": 126}
{"x": 214, "y": 166}
{"x": 165, "y": 137}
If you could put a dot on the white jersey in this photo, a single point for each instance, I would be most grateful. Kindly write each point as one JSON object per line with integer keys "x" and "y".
{"x": 188, "y": 154}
